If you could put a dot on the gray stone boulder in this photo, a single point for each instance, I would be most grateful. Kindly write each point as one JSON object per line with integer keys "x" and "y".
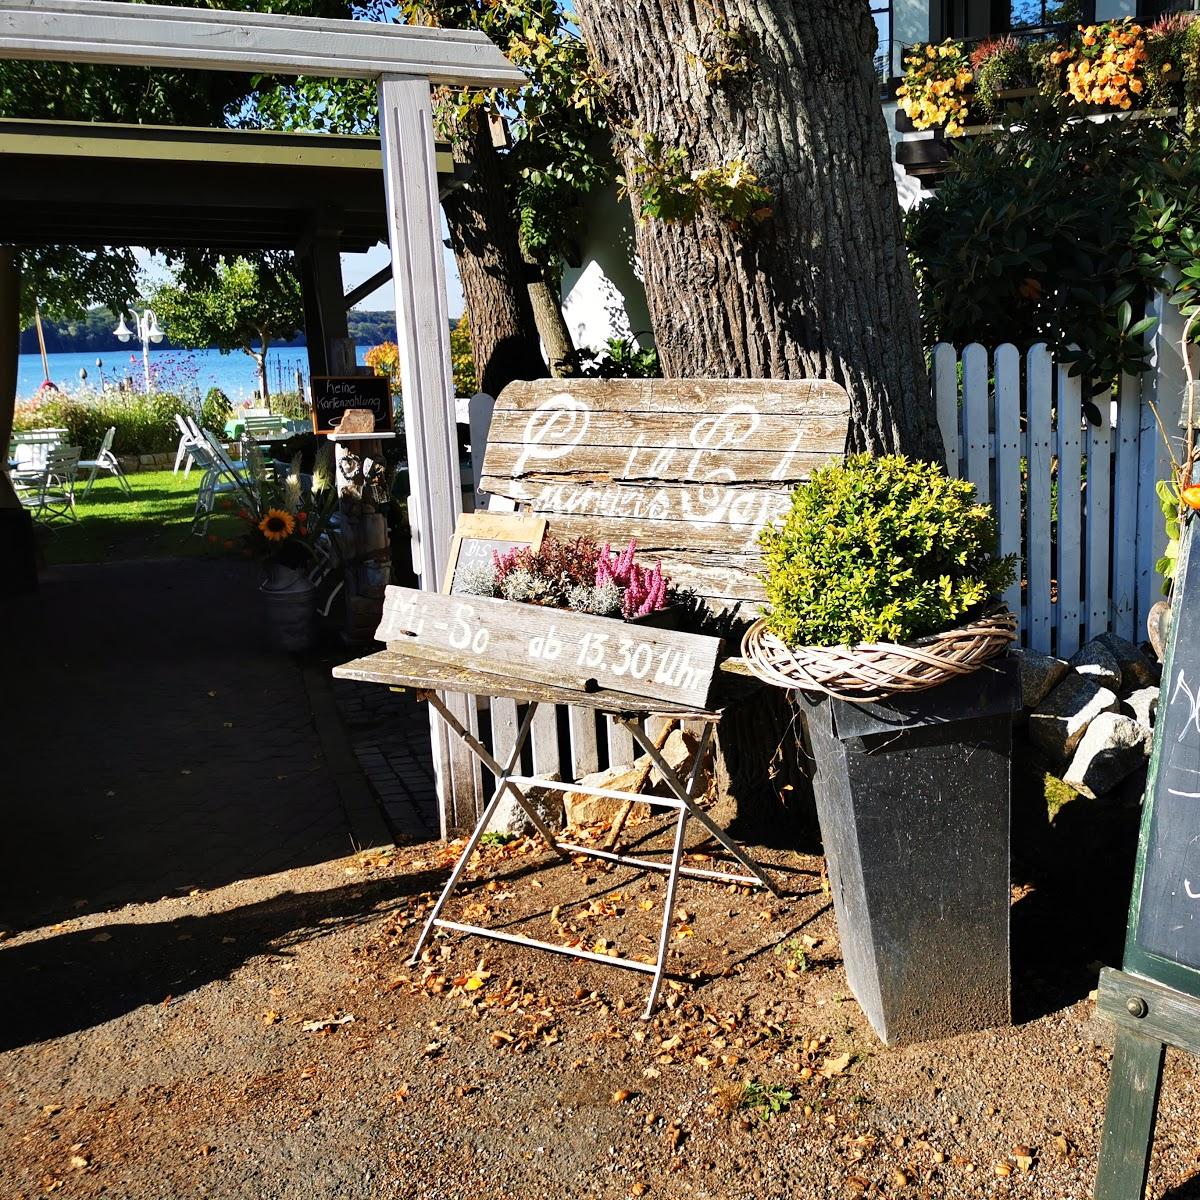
{"x": 1141, "y": 705}
{"x": 1039, "y": 674}
{"x": 1097, "y": 661}
{"x": 1138, "y": 669}
{"x": 1058, "y": 724}
{"x": 1113, "y": 748}
{"x": 510, "y": 817}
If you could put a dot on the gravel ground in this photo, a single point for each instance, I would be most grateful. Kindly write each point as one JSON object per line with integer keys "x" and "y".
{"x": 266, "y": 1039}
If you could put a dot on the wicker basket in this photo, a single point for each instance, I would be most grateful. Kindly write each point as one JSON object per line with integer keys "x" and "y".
{"x": 875, "y": 671}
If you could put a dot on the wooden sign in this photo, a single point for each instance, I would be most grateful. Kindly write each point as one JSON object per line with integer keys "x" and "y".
{"x": 479, "y": 535}
{"x": 1155, "y": 999}
{"x": 332, "y": 395}
{"x": 690, "y": 468}
{"x": 573, "y": 649}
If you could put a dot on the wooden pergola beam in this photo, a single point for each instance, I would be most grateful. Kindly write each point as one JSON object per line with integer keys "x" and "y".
{"x": 157, "y": 35}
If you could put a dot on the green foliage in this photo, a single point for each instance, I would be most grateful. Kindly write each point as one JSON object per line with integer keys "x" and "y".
{"x": 559, "y": 151}
{"x": 461, "y": 358}
{"x": 1058, "y": 230}
{"x": 669, "y": 191}
{"x": 230, "y": 305}
{"x": 796, "y": 953}
{"x": 494, "y": 838}
{"x": 621, "y": 358}
{"x": 215, "y": 409}
{"x": 765, "y": 1100}
{"x": 1168, "y": 501}
{"x": 291, "y": 405}
{"x": 999, "y": 65}
{"x": 145, "y": 424}
{"x": 879, "y": 550}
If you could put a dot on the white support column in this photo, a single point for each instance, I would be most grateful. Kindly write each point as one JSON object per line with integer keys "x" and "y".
{"x": 423, "y": 335}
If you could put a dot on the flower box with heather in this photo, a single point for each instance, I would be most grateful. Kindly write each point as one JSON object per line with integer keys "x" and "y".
{"x": 573, "y": 615}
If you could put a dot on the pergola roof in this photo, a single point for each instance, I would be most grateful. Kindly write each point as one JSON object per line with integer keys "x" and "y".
{"x": 157, "y": 35}
{"x": 95, "y": 185}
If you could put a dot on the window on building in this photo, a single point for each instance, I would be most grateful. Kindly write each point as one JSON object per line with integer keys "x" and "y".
{"x": 881, "y": 10}
{"x": 1033, "y": 14}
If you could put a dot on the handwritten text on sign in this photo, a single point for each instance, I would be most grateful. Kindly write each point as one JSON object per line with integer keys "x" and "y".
{"x": 575, "y": 649}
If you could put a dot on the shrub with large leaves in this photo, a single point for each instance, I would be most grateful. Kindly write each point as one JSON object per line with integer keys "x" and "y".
{"x": 879, "y": 550}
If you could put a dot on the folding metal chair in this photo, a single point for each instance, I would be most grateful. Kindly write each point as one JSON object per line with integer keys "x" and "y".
{"x": 105, "y": 460}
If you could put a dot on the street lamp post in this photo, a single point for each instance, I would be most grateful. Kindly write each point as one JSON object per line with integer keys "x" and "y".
{"x": 147, "y": 331}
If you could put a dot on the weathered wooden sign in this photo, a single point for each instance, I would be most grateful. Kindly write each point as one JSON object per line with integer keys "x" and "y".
{"x": 332, "y": 395}
{"x": 691, "y": 469}
{"x": 571, "y": 649}
{"x": 480, "y": 535}
{"x": 1155, "y": 999}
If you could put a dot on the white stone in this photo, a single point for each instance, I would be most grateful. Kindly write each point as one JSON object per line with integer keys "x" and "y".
{"x": 1098, "y": 662}
{"x": 510, "y": 817}
{"x": 1059, "y": 723}
{"x": 1142, "y": 705}
{"x": 1111, "y": 750}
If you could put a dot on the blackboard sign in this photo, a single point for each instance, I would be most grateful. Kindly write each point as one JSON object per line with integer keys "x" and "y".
{"x": 332, "y": 395}
{"x": 1164, "y": 922}
{"x": 479, "y": 535}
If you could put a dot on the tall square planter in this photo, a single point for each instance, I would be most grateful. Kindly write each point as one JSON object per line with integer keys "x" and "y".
{"x": 913, "y": 796}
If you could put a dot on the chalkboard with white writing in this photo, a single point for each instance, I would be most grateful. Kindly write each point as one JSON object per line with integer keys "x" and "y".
{"x": 480, "y": 535}
{"x": 1164, "y": 925}
{"x": 333, "y": 395}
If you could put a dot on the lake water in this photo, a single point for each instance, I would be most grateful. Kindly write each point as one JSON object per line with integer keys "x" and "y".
{"x": 173, "y": 370}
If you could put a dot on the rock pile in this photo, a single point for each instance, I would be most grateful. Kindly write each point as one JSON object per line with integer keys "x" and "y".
{"x": 1092, "y": 716}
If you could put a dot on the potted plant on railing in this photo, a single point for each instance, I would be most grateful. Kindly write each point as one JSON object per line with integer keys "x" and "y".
{"x": 287, "y": 530}
{"x": 882, "y": 582}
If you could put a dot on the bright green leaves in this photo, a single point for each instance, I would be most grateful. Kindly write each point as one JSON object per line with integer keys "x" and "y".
{"x": 879, "y": 549}
{"x": 1168, "y": 501}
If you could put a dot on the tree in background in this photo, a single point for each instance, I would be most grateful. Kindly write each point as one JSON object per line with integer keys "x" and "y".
{"x": 756, "y": 156}
{"x": 231, "y": 305}
{"x": 517, "y": 215}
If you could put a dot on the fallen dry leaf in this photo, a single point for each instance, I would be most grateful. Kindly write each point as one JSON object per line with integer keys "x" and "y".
{"x": 835, "y": 1066}
{"x": 79, "y": 1161}
{"x": 621, "y": 1095}
{"x": 326, "y": 1023}
{"x": 102, "y": 936}
{"x": 639, "y": 1188}
{"x": 271, "y": 1017}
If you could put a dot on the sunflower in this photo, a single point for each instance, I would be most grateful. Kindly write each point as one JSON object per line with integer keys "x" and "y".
{"x": 277, "y": 525}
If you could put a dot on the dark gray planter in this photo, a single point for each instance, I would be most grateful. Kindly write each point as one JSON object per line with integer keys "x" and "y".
{"x": 913, "y": 800}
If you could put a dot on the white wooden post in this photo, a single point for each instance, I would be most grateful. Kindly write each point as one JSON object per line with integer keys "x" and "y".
{"x": 423, "y": 329}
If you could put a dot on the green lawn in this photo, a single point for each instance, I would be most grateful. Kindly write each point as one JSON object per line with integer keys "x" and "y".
{"x": 154, "y": 522}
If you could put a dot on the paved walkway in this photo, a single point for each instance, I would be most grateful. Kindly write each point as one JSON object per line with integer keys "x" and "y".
{"x": 154, "y": 744}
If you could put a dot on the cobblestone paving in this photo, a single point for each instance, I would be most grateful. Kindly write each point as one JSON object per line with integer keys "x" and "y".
{"x": 155, "y": 744}
{"x": 389, "y": 732}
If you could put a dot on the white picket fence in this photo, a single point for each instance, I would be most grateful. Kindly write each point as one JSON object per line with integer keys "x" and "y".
{"x": 1075, "y": 502}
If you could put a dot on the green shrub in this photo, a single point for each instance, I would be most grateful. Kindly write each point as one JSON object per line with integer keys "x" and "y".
{"x": 215, "y": 410}
{"x": 292, "y": 406}
{"x": 145, "y": 424}
{"x": 879, "y": 550}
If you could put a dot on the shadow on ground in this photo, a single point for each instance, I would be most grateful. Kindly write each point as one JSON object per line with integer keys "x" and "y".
{"x": 157, "y": 744}
{"x": 62, "y": 984}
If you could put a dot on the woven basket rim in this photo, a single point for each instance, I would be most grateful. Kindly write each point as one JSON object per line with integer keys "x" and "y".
{"x": 875, "y": 671}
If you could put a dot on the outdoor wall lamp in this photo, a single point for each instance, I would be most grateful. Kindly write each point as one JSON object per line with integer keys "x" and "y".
{"x": 146, "y": 330}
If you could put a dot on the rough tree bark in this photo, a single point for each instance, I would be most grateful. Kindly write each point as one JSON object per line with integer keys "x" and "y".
{"x": 548, "y": 314}
{"x": 821, "y": 288}
{"x": 483, "y": 236}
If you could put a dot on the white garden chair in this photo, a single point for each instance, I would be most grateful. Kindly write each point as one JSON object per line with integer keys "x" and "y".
{"x": 182, "y": 455}
{"x": 105, "y": 460}
{"x": 48, "y": 491}
{"x": 29, "y": 448}
{"x": 214, "y": 483}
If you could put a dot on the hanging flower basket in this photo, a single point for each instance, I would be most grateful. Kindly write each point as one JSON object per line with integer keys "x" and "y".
{"x": 874, "y": 671}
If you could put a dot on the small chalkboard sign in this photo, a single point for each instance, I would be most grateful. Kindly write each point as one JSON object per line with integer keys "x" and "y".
{"x": 332, "y": 395}
{"x": 479, "y": 535}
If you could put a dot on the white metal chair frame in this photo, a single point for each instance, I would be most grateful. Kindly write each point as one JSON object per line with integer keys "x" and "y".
{"x": 105, "y": 460}
{"x": 220, "y": 478}
{"x": 684, "y": 801}
{"x": 29, "y": 448}
{"x": 48, "y": 491}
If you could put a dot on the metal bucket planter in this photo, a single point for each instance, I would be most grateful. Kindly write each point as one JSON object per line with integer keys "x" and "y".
{"x": 913, "y": 797}
{"x": 290, "y": 603}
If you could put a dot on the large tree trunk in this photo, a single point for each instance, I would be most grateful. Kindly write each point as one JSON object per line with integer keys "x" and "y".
{"x": 822, "y": 287}
{"x": 483, "y": 235}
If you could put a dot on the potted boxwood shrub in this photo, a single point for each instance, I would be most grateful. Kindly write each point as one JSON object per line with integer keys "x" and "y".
{"x": 882, "y": 583}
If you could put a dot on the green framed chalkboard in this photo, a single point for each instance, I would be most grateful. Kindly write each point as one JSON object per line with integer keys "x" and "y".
{"x": 1163, "y": 937}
